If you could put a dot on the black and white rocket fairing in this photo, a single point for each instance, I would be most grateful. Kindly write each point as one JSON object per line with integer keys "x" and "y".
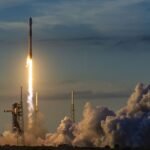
{"x": 30, "y": 37}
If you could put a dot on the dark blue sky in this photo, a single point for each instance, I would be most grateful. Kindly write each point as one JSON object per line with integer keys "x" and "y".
{"x": 100, "y": 48}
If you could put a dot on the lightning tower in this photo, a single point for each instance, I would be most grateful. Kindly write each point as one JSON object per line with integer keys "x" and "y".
{"x": 36, "y": 102}
{"x": 72, "y": 107}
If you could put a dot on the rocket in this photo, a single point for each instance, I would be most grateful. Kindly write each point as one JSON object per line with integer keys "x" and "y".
{"x": 30, "y": 38}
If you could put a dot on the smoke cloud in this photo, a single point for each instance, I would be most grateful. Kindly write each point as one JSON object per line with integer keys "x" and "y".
{"x": 99, "y": 126}
{"x": 63, "y": 135}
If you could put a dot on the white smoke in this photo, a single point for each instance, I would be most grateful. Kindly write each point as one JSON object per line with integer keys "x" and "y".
{"x": 38, "y": 129}
{"x": 8, "y": 138}
{"x": 130, "y": 126}
{"x": 63, "y": 135}
{"x": 88, "y": 131}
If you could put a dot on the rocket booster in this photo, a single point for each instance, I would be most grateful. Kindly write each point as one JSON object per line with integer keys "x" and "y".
{"x": 30, "y": 37}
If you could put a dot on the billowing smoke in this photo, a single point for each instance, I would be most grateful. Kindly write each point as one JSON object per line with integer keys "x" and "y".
{"x": 99, "y": 126}
{"x": 8, "y": 138}
{"x": 88, "y": 131}
{"x": 63, "y": 135}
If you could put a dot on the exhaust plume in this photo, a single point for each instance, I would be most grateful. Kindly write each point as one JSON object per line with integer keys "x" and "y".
{"x": 30, "y": 93}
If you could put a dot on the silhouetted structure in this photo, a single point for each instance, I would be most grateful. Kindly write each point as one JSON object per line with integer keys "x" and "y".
{"x": 18, "y": 120}
{"x": 72, "y": 107}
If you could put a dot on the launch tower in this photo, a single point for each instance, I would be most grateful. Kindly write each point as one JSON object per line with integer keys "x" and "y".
{"x": 72, "y": 107}
{"x": 18, "y": 120}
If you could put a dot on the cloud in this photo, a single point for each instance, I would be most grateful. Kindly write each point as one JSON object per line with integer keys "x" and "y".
{"x": 95, "y": 22}
{"x": 12, "y": 3}
{"x": 13, "y": 26}
{"x": 111, "y": 21}
{"x": 111, "y": 17}
{"x": 86, "y": 95}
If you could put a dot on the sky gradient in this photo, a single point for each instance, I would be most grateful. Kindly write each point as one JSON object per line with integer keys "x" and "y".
{"x": 99, "y": 48}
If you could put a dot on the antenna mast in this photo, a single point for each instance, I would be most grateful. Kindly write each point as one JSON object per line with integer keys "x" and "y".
{"x": 72, "y": 107}
{"x": 21, "y": 118}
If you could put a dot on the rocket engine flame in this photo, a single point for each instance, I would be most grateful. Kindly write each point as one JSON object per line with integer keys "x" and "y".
{"x": 30, "y": 92}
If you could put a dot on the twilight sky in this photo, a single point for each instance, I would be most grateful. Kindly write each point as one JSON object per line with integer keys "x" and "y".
{"x": 99, "y": 48}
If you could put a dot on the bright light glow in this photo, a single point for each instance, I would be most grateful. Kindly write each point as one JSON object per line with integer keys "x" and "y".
{"x": 30, "y": 93}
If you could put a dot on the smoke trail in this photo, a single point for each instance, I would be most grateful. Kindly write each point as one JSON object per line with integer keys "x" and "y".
{"x": 30, "y": 93}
